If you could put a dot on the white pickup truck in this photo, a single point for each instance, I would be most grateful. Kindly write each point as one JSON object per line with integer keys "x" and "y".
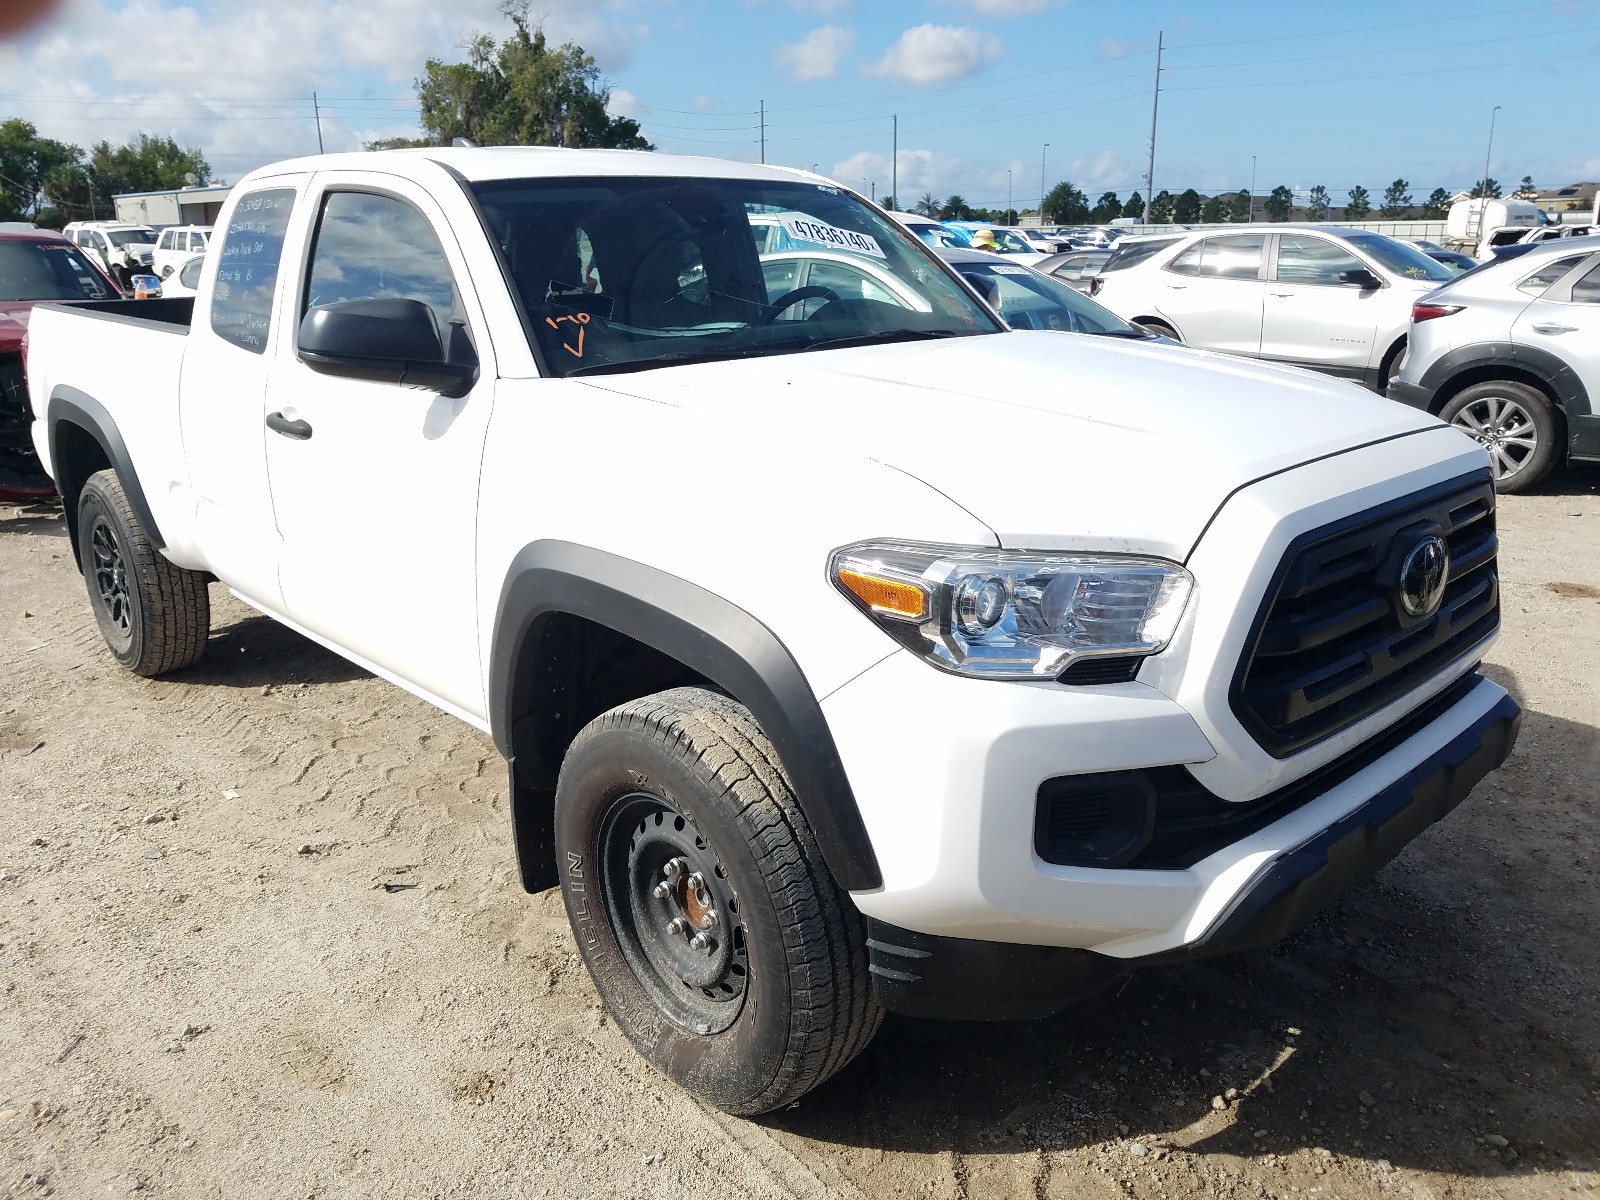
{"x": 849, "y": 652}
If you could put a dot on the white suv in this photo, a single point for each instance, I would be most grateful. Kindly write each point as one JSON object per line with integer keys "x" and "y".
{"x": 1335, "y": 300}
{"x": 122, "y": 250}
{"x": 1510, "y": 353}
{"x": 178, "y": 244}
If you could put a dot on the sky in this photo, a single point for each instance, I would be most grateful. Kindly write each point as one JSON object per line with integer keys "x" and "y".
{"x": 993, "y": 97}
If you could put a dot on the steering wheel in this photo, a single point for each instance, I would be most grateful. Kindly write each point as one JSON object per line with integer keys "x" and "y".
{"x": 790, "y": 299}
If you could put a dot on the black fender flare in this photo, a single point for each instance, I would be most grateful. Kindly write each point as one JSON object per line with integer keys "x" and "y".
{"x": 68, "y": 404}
{"x": 706, "y": 633}
{"x": 1556, "y": 374}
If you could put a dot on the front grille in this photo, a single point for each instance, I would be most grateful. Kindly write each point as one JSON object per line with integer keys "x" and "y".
{"x": 1332, "y": 643}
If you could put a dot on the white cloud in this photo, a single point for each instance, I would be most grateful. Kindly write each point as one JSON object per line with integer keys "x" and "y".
{"x": 817, "y": 55}
{"x": 625, "y": 104}
{"x": 1003, "y": 9}
{"x": 217, "y": 75}
{"x": 936, "y": 54}
{"x": 920, "y": 171}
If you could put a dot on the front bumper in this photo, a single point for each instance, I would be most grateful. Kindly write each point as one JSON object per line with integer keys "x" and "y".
{"x": 958, "y": 978}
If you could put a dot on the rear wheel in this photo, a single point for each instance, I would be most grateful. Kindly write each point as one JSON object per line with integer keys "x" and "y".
{"x": 155, "y": 616}
{"x": 1515, "y": 423}
{"x": 717, "y": 938}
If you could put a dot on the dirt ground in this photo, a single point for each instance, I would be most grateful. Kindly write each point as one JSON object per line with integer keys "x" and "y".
{"x": 260, "y": 936}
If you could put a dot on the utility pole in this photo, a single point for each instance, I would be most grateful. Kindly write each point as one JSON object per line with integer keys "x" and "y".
{"x": 763, "y": 131}
{"x": 1011, "y": 212}
{"x": 894, "y": 162}
{"x": 1252, "y": 187}
{"x": 1042, "y": 193}
{"x": 1155, "y": 105}
{"x": 317, "y": 108}
{"x": 1486, "y": 156}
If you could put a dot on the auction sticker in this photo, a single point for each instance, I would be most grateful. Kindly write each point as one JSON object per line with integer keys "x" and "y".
{"x": 804, "y": 229}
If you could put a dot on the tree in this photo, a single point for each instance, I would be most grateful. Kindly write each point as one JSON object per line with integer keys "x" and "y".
{"x": 1360, "y": 204}
{"x": 1065, "y": 205}
{"x": 521, "y": 92}
{"x": 1493, "y": 188}
{"x": 928, "y": 206}
{"x": 25, "y": 160}
{"x": 955, "y": 208}
{"x": 1526, "y": 190}
{"x": 1134, "y": 207}
{"x": 1106, "y": 209}
{"x": 1009, "y": 216}
{"x": 1317, "y": 204}
{"x": 888, "y": 203}
{"x": 1214, "y": 211}
{"x": 397, "y": 143}
{"x": 1279, "y": 203}
{"x": 1161, "y": 208}
{"x": 1241, "y": 206}
{"x": 1396, "y": 199}
{"x": 1437, "y": 206}
{"x": 1186, "y": 208}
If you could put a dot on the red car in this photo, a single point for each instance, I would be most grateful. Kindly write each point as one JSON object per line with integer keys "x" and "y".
{"x": 35, "y": 265}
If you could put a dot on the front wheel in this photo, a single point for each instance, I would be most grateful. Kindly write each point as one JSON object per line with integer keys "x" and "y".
{"x": 1514, "y": 423}
{"x": 1161, "y": 327}
{"x": 714, "y": 932}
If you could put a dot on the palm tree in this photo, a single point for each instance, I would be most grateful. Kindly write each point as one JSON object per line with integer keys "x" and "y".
{"x": 927, "y": 206}
{"x": 955, "y": 209}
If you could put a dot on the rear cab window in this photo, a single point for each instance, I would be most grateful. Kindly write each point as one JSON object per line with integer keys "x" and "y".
{"x": 248, "y": 262}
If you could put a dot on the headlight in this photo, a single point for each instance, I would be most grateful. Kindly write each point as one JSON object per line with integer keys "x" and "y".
{"x": 1009, "y": 614}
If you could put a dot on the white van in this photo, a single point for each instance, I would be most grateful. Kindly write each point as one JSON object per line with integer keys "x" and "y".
{"x": 121, "y": 249}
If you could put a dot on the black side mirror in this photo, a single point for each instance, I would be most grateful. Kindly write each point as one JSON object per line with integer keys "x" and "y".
{"x": 392, "y": 340}
{"x": 1361, "y": 278}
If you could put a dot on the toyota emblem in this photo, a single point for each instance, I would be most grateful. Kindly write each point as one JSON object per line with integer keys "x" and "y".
{"x": 1422, "y": 576}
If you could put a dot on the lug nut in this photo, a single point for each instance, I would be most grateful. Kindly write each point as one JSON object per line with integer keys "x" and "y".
{"x": 677, "y": 926}
{"x": 699, "y": 942}
{"x": 711, "y": 918}
{"x": 662, "y": 890}
{"x": 673, "y": 869}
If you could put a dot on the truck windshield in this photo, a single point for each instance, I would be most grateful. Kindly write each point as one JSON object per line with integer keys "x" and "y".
{"x": 132, "y": 237}
{"x": 626, "y": 274}
{"x": 49, "y": 271}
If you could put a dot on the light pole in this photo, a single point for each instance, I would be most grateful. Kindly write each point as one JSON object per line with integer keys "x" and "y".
{"x": 1486, "y": 156}
{"x": 1042, "y": 154}
{"x": 1010, "y": 210}
{"x": 1252, "y": 187}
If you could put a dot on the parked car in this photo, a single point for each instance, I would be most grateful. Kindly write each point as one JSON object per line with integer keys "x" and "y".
{"x": 185, "y": 281}
{"x": 1027, "y": 298}
{"x": 176, "y": 243}
{"x": 830, "y": 276}
{"x": 121, "y": 250}
{"x": 1076, "y": 268}
{"x": 934, "y": 233}
{"x": 1007, "y": 241}
{"x": 35, "y": 265}
{"x": 1510, "y": 354}
{"x": 885, "y": 660}
{"x": 1336, "y": 300}
{"x": 1460, "y": 263}
{"x": 1042, "y": 242}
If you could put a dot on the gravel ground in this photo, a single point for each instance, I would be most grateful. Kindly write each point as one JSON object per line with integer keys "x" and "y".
{"x": 260, "y": 936}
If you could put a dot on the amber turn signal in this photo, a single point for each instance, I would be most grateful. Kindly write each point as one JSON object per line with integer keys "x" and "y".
{"x": 889, "y": 596}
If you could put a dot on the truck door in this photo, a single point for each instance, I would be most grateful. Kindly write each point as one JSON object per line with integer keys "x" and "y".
{"x": 223, "y": 388}
{"x": 375, "y": 483}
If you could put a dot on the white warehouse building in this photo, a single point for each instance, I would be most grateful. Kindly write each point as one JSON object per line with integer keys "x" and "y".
{"x": 180, "y": 206}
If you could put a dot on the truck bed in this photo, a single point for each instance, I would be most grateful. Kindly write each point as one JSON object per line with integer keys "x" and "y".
{"x": 170, "y": 316}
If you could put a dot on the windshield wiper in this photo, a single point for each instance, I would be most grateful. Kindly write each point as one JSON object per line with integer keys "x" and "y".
{"x": 893, "y": 335}
{"x": 1144, "y": 334}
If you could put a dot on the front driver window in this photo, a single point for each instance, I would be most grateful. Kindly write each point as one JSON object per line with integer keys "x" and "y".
{"x": 372, "y": 247}
{"x": 1313, "y": 260}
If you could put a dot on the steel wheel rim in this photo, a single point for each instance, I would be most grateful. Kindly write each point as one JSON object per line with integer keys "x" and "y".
{"x": 1504, "y": 427}
{"x": 702, "y": 989}
{"x": 111, "y": 577}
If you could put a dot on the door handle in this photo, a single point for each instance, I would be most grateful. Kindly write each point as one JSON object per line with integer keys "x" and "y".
{"x": 1552, "y": 327}
{"x": 298, "y": 430}
{"x": 1282, "y": 295}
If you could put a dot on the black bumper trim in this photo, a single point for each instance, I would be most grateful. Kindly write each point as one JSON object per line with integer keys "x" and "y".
{"x": 1583, "y": 440}
{"x": 1409, "y": 393}
{"x": 925, "y": 975}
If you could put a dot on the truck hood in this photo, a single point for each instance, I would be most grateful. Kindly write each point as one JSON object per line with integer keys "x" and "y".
{"x": 1053, "y": 440}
